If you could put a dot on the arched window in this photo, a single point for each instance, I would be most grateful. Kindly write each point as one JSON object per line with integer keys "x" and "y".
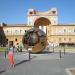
{"x": 7, "y": 31}
{"x": 59, "y": 39}
{"x": 64, "y": 39}
{"x": 69, "y": 39}
{"x": 16, "y": 31}
{"x": 74, "y": 30}
{"x": 7, "y": 40}
{"x": 16, "y": 39}
{"x": 64, "y": 30}
{"x": 20, "y": 31}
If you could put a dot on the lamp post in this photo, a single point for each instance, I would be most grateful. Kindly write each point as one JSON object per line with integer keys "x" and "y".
{"x": 5, "y": 53}
{"x": 64, "y": 50}
{"x": 60, "y": 54}
{"x": 53, "y": 47}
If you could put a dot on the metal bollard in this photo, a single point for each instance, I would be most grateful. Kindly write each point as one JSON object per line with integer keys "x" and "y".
{"x": 53, "y": 48}
{"x": 5, "y": 53}
{"x": 60, "y": 54}
{"x": 29, "y": 55}
{"x": 64, "y": 51}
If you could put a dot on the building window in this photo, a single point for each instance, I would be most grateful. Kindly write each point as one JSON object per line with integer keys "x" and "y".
{"x": 20, "y": 31}
{"x": 30, "y": 12}
{"x": 16, "y": 39}
{"x": 64, "y": 39}
{"x": 69, "y": 39}
{"x": 74, "y": 30}
{"x": 64, "y": 30}
{"x": 54, "y": 21}
{"x": 7, "y": 40}
{"x": 25, "y": 30}
{"x": 59, "y": 39}
{"x": 16, "y": 31}
{"x": 7, "y": 31}
{"x": 53, "y": 12}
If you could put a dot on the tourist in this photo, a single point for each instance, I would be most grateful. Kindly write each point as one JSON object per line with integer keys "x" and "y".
{"x": 11, "y": 56}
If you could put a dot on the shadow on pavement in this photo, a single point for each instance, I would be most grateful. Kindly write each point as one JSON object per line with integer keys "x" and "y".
{"x": 2, "y": 71}
{"x": 46, "y": 52}
{"x": 21, "y": 62}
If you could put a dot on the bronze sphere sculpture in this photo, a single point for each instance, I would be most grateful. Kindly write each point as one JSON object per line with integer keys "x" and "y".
{"x": 35, "y": 38}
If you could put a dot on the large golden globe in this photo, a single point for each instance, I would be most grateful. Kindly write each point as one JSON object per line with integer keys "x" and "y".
{"x": 35, "y": 38}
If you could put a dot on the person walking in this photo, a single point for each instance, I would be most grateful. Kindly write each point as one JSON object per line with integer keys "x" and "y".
{"x": 17, "y": 48}
{"x": 11, "y": 56}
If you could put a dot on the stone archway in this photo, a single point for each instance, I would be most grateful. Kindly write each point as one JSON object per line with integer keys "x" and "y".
{"x": 41, "y": 23}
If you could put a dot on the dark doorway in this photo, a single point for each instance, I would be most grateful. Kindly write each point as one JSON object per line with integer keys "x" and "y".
{"x": 10, "y": 43}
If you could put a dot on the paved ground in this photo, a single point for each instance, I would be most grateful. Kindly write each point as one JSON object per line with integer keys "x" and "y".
{"x": 40, "y": 64}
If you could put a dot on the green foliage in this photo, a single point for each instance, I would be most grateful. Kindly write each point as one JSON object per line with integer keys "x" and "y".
{"x": 3, "y": 49}
{"x": 3, "y": 41}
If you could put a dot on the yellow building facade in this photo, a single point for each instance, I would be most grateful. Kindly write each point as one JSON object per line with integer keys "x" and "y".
{"x": 46, "y": 21}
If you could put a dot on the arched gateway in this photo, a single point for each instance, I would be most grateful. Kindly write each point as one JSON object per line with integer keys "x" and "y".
{"x": 41, "y": 23}
{"x": 42, "y": 18}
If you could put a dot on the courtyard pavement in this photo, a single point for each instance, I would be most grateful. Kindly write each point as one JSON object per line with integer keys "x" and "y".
{"x": 40, "y": 64}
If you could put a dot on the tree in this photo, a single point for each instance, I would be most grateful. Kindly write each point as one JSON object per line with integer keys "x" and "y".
{"x": 3, "y": 40}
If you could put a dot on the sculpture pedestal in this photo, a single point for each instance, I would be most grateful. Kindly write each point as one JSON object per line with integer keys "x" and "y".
{"x": 29, "y": 50}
